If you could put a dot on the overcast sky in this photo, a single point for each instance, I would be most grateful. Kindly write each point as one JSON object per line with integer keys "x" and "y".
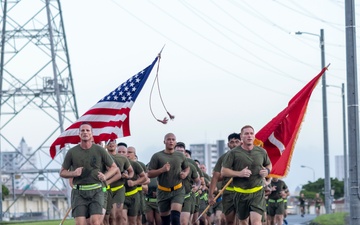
{"x": 225, "y": 64}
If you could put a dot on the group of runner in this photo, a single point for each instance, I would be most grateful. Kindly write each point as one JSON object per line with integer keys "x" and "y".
{"x": 112, "y": 187}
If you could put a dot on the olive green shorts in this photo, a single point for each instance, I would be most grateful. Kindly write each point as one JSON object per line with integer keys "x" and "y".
{"x": 246, "y": 203}
{"x": 87, "y": 203}
{"x": 132, "y": 204}
{"x": 228, "y": 202}
{"x": 202, "y": 206}
{"x": 193, "y": 202}
{"x": 117, "y": 197}
{"x": 165, "y": 198}
{"x": 187, "y": 205}
{"x": 276, "y": 208}
{"x": 142, "y": 203}
{"x": 197, "y": 203}
{"x": 217, "y": 206}
{"x": 151, "y": 205}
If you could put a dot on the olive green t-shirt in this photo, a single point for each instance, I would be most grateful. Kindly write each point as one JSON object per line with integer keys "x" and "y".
{"x": 217, "y": 168}
{"x": 177, "y": 163}
{"x": 152, "y": 187}
{"x": 124, "y": 164}
{"x": 189, "y": 180}
{"x": 93, "y": 160}
{"x": 238, "y": 158}
{"x": 191, "y": 161}
{"x": 137, "y": 171}
{"x": 280, "y": 186}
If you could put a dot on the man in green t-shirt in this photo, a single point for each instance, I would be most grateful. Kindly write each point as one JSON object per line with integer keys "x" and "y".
{"x": 132, "y": 197}
{"x": 248, "y": 165}
{"x": 86, "y": 164}
{"x": 228, "y": 208}
{"x": 276, "y": 206}
{"x": 191, "y": 184}
{"x": 116, "y": 190}
{"x": 170, "y": 167}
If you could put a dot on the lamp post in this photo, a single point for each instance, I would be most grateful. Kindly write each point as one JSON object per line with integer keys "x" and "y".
{"x": 325, "y": 122}
{"x": 346, "y": 190}
{"x": 302, "y": 166}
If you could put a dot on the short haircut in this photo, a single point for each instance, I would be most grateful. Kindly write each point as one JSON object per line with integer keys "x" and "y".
{"x": 122, "y": 144}
{"x": 234, "y": 136}
{"x": 180, "y": 144}
{"x": 188, "y": 152}
{"x": 246, "y": 126}
{"x": 197, "y": 161}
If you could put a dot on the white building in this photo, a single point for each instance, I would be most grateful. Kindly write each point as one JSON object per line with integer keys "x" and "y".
{"x": 339, "y": 167}
{"x": 23, "y": 160}
{"x": 208, "y": 154}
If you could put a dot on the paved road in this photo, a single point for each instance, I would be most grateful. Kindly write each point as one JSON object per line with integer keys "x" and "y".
{"x": 297, "y": 219}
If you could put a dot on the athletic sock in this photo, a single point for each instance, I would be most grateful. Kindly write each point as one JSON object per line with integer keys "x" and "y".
{"x": 165, "y": 220}
{"x": 175, "y": 217}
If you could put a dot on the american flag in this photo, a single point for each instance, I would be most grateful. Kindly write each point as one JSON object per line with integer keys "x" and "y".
{"x": 109, "y": 117}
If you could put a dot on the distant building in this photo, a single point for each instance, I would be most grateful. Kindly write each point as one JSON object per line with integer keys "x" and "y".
{"x": 339, "y": 167}
{"x": 15, "y": 162}
{"x": 208, "y": 154}
{"x": 35, "y": 205}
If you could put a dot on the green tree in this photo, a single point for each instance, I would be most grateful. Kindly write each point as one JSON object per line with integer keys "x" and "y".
{"x": 311, "y": 188}
{"x": 5, "y": 192}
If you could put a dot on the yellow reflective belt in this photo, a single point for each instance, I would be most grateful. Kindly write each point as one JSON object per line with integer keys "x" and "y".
{"x": 204, "y": 197}
{"x": 176, "y": 187}
{"x": 87, "y": 187}
{"x": 150, "y": 199}
{"x": 229, "y": 188}
{"x": 248, "y": 191}
{"x": 139, "y": 188}
{"x": 188, "y": 195}
{"x": 113, "y": 189}
{"x": 278, "y": 200}
{"x": 129, "y": 193}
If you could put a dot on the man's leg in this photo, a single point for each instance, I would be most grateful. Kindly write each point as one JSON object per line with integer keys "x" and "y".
{"x": 80, "y": 220}
{"x": 175, "y": 213}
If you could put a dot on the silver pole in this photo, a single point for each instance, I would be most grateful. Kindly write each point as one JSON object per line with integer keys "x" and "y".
{"x": 352, "y": 112}
{"x": 325, "y": 128}
{"x": 346, "y": 192}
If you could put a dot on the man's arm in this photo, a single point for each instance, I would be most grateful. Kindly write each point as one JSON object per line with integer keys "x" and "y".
{"x": 157, "y": 172}
{"x": 139, "y": 181}
{"x": 227, "y": 172}
{"x": 70, "y": 174}
{"x": 213, "y": 182}
{"x": 185, "y": 173}
{"x": 117, "y": 176}
{"x": 110, "y": 172}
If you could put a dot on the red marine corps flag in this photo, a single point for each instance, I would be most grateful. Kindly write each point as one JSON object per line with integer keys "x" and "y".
{"x": 278, "y": 137}
{"x": 109, "y": 117}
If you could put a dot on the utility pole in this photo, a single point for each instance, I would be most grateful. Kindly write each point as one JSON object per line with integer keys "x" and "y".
{"x": 353, "y": 112}
{"x": 328, "y": 199}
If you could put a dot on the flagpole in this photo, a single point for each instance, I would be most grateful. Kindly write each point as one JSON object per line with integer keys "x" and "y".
{"x": 327, "y": 180}
{"x": 353, "y": 113}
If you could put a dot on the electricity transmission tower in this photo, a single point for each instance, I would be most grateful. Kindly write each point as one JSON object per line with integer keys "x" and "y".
{"x": 37, "y": 96}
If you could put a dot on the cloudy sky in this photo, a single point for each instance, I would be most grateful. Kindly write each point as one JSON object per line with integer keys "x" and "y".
{"x": 225, "y": 64}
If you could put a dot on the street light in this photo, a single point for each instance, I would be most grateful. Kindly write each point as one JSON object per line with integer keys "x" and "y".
{"x": 346, "y": 191}
{"x": 325, "y": 122}
{"x": 302, "y": 166}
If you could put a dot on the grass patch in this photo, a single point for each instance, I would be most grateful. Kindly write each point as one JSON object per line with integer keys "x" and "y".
{"x": 330, "y": 219}
{"x": 48, "y": 222}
